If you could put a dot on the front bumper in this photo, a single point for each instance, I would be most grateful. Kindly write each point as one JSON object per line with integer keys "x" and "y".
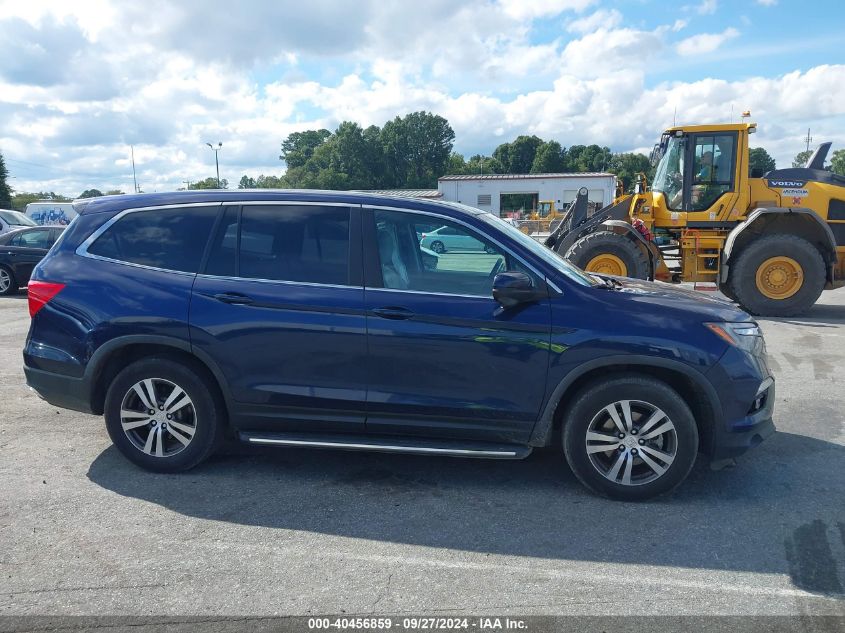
{"x": 740, "y": 380}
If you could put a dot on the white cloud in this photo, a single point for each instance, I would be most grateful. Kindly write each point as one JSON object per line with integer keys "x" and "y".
{"x": 705, "y": 42}
{"x": 601, "y": 19}
{"x": 168, "y": 86}
{"x": 707, "y": 7}
{"x": 767, "y": 3}
{"x": 532, "y": 9}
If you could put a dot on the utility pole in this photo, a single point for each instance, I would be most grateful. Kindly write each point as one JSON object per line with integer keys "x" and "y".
{"x": 187, "y": 184}
{"x": 134, "y": 178}
{"x": 216, "y": 162}
{"x": 809, "y": 139}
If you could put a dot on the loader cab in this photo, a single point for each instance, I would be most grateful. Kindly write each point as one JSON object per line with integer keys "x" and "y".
{"x": 697, "y": 172}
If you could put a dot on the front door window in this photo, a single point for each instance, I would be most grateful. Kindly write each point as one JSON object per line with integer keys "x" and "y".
{"x": 450, "y": 259}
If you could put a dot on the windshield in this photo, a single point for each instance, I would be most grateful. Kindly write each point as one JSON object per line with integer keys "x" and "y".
{"x": 16, "y": 218}
{"x": 668, "y": 178}
{"x": 546, "y": 254}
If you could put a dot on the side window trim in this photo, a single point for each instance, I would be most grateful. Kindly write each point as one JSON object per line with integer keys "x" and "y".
{"x": 372, "y": 269}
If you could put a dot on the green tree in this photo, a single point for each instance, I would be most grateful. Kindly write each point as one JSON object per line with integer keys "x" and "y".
{"x": 837, "y": 162}
{"x": 209, "y": 183}
{"x": 457, "y": 165}
{"x": 550, "y": 158}
{"x": 480, "y": 164}
{"x": 759, "y": 161}
{"x": 114, "y": 192}
{"x": 586, "y": 158}
{"x": 801, "y": 158}
{"x": 626, "y": 166}
{"x": 20, "y": 200}
{"x": 298, "y": 147}
{"x": 269, "y": 182}
{"x": 517, "y": 157}
{"x": 246, "y": 182}
{"x": 5, "y": 190}
{"x": 91, "y": 193}
{"x": 408, "y": 152}
{"x": 416, "y": 150}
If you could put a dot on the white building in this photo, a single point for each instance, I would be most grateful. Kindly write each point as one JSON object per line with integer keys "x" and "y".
{"x": 486, "y": 191}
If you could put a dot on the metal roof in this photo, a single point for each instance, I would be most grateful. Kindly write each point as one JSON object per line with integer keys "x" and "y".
{"x": 585, "y": 174}
{"x": 405, "y": 193}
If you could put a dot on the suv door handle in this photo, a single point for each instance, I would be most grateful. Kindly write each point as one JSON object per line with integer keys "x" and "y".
{"x": 393, "y": 313}
{"x": 234, "y": 298}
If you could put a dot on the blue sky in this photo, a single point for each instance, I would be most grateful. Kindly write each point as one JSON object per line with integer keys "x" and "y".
{"x": 80, "y": 82}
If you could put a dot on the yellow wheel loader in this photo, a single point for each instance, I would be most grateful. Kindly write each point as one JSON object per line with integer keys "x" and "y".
{"x": 771, "y": 242}
{"x": 542, "y": 218}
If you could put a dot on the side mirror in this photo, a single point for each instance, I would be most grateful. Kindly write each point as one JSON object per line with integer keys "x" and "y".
{"x": 513, "y": 288}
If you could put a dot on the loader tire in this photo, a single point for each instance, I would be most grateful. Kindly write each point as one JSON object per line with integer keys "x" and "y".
{"x": 609, "y": 253}
{"x": 778, "y": 275}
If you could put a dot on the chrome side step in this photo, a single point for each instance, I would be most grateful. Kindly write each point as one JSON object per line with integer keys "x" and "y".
{"x": 411, "y": 446}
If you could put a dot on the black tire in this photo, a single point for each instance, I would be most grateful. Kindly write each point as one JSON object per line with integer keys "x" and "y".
{"x": 589, "y": 404}
{"x": 601, "y": 242}
{"x": 742, "y": 277}
{"x": 208, "y": 419}
{"x": 437, "y": 247}
{"x": 725, "y": 289}
{"x": 13, "y": 283}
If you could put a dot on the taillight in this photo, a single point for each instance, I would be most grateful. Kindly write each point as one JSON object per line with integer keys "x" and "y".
{"x": 40, "y": 292}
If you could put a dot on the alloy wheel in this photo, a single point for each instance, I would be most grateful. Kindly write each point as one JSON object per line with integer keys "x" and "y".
{"x": 631, "y": 442}
{"x": 5, "y": 280}
{"x": 158, "y": 417}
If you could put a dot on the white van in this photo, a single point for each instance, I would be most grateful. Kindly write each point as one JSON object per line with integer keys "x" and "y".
{"x": 51, "y": 213}
{"x": 12, "y": 220}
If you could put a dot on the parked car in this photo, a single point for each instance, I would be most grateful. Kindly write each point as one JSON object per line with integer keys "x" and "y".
{"x": 20, "y": 251}
{"x": 13, "y": 220}
{"x": 309, "y": 319}
{"x": 447, "y": 238}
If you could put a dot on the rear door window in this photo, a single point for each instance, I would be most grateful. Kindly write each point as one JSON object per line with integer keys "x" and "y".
{"x": 33, "y": 239}
{"x": 172, "y": 239}
{"x": 307, "y": 244}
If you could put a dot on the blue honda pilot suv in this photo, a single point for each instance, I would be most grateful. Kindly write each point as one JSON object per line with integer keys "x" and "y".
{"x": 319, "y": 319}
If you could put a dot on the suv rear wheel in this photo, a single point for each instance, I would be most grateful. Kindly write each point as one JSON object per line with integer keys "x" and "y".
{"x": 162, "y": 415}
{"x": 630, "y": 438}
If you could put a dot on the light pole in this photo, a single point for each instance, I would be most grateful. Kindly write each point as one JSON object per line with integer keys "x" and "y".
{"x": 216, "y": 162}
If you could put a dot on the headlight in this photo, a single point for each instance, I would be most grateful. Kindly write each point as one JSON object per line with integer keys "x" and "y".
{"x": 746, "y": 336}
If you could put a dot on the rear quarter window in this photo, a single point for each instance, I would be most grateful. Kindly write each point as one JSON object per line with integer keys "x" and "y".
{"x": 172, "y": 239}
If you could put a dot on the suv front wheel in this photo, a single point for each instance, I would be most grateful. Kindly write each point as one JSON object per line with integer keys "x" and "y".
{"x": 162, "y": 415}
{"x": 630, "y": 438}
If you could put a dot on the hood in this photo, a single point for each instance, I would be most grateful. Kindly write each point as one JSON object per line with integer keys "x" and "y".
{"x": 651, "y": 294}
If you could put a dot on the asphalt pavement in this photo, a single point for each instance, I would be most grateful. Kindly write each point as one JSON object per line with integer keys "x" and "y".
{"x": 295, "y": 531}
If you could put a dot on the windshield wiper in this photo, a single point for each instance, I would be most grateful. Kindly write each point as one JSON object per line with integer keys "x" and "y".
{"x": 607, "y": 282}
